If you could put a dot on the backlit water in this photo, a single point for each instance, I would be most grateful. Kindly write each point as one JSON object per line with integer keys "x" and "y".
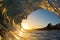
{"x": 41, "y": 35}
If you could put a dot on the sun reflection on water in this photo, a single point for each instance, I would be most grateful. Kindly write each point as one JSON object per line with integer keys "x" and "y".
{"x": 20, "y": 33}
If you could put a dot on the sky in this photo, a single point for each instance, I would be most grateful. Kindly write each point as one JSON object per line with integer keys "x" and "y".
{"x": 40, "y": 18}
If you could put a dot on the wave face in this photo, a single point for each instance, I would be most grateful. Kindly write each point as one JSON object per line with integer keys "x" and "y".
{"x": 13, "y": 11}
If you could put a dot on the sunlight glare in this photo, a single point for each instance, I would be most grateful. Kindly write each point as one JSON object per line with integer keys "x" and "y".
{"x": 25, "y": 24}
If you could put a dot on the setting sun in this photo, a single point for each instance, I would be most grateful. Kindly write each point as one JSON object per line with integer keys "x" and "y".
{"x": 25, "y": 25}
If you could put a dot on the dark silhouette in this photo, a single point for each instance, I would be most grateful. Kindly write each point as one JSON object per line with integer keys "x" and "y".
{"x": 51, "y": 27}
{"x": 18, "y": 10}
